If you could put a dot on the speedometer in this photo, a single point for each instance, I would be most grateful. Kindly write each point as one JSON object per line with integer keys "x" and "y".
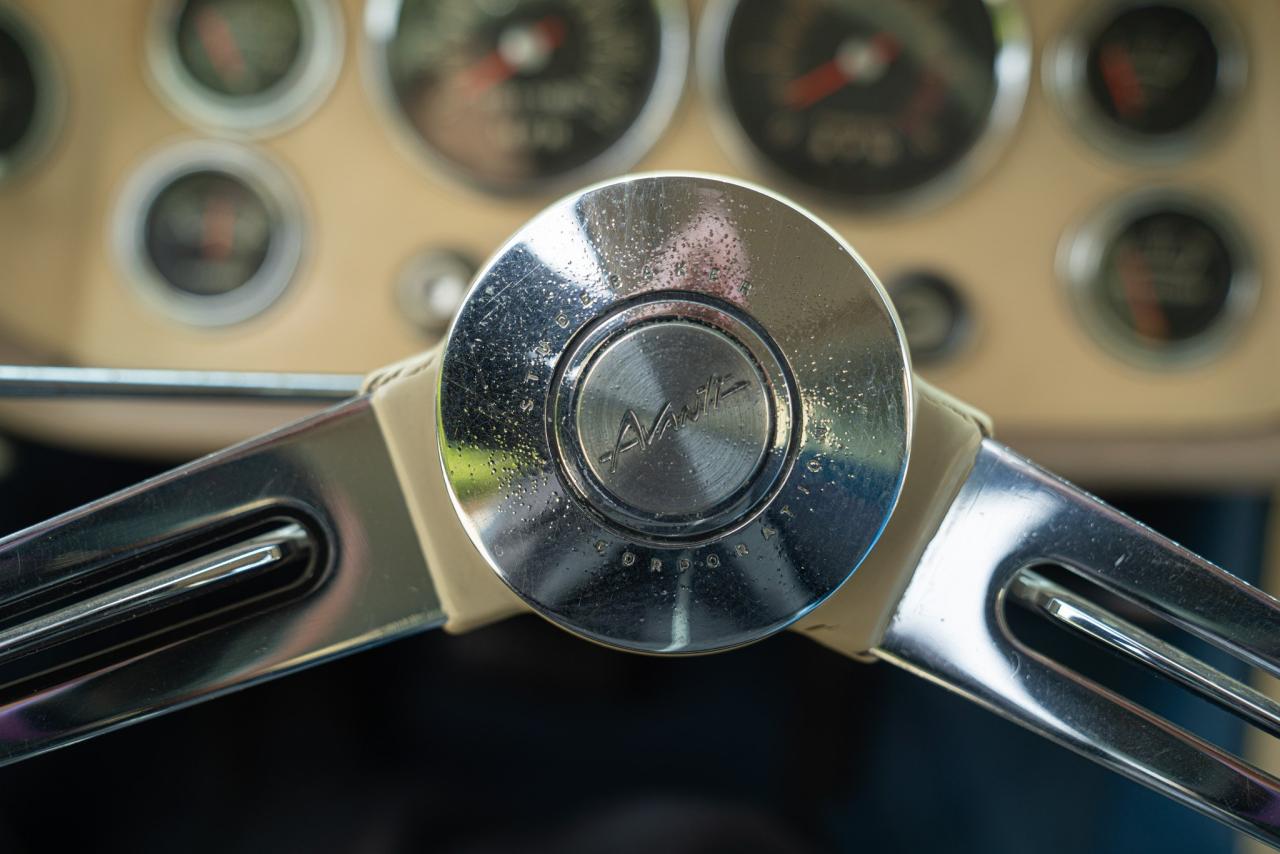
{"x": 868, "y": 100}
{"x": 516, "y": 94}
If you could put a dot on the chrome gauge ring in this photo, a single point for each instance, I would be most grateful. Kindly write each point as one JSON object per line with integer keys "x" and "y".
{"x": 245, "y": 66}
{"x": 876, "y": 106}
{"x": 1162, "y": 278}
{"x": 661, "y": 400}
{"x": 518, "y": 98}
{"x": 1152, "y": 83}
{"x": 210, "y": 232}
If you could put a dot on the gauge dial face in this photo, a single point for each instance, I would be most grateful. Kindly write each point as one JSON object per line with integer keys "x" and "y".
{"x": 514, "y": 93}
{"x": 208, "y": 233}
{"x": 866, "y": 99}
{"x": 1167, "y": 280}
{"x": 239, "y": 48}
{"x": 934, "y": 316}
{"x": 1153, "y": 69}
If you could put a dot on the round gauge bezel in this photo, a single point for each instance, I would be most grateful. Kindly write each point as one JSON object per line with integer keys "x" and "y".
{"x": 1080, "y": 259}
{"x": 1012, "y": 76}
{"x": 52, "y": 95}
{"x": 964, "y": 328}
{"x": 1064, "y": 74}
{"x": 381, "y": 21}
{"x": 277, "y": 109}
{"x": 261, "y": 175}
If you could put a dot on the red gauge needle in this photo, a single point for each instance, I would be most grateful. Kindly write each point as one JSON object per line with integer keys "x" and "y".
{"x": 1141, "y": 296}
{"x": 540, "y": 39}
{"x": 218, "y": 228}
{"x": 832, "y": 76}
{"x": 1122, "y": 81}
{"x": 219, "y": 43}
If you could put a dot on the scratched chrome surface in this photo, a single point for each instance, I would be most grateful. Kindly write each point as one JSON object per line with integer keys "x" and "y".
{"x": 847, "y": 382}
{"x": 643, "y": 391}
{"x": 661, "y": 457}
{"x": 332, "y": 469}
{"x": 950, "y": 628}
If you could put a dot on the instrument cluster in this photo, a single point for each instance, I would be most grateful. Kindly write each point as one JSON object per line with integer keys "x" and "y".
{"x": 885, "y": 115}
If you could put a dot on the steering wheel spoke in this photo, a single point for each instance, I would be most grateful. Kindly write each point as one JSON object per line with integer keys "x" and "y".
{"x": 250, "y": 563}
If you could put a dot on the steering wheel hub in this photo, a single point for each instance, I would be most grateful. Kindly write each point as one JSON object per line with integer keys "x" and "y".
{"x": 661, "y": 400}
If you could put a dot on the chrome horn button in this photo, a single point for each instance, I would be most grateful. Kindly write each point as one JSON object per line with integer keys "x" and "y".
{"x": 636, "y": 524}
{"x": 673, "y": 417}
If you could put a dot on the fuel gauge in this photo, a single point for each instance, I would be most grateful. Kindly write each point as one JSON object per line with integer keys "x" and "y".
{"x": 1162, "y": 279}
{"x": 211, "y": 232}
{"x": 245, "y": 65}
{"x": 1150, "y": 78}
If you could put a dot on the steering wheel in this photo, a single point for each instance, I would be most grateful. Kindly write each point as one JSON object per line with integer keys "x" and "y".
{"x": 674, "y": 416}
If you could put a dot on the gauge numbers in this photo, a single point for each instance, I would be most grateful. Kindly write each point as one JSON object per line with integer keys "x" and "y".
{"x": 1162, "y": 279}
{"x": 515, "y": 94}
{"x": 869, "y": 101}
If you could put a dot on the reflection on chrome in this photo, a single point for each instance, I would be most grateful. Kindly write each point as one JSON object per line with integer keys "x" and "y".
{"x": 332, "y": 472}
{"x": 949, "y": 628}
{"x": 655, "y": 252}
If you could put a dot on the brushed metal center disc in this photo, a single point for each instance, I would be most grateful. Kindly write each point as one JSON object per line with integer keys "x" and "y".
{"x": 673, "y": 419}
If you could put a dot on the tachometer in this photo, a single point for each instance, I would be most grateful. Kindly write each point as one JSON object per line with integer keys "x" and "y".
{"x": 515, "y": 94}
{"x": 869, "y": 100}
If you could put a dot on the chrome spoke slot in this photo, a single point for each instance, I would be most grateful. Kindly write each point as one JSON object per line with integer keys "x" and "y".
{"x": 952, "y": 626}
{"x": 1090, "y": 614}
{"x": 279, "y": 553}
{"x": 100, "y": 612}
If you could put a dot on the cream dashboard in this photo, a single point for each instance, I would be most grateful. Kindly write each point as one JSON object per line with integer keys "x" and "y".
{"x": 1072, "y": 203}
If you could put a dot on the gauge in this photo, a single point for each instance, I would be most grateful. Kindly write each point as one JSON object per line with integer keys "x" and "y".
{"x": 514, "y": 95}
{"x": 28, "y": 96}
{"x": 868, "y": 100}
{"x": 935, "y": 317}
{"x": 212, "y": 232}
{"x": 1162, "y": 278}
{"x": 247, "y": 65}
{"x": 1150, "y": 77}
{"x": 208, "y": 233}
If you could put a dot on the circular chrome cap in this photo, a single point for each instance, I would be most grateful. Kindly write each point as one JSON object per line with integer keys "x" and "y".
{"x": 675, "y": 413}
{"x": 672, "y": 418}
{"x": 638, "y": 415}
